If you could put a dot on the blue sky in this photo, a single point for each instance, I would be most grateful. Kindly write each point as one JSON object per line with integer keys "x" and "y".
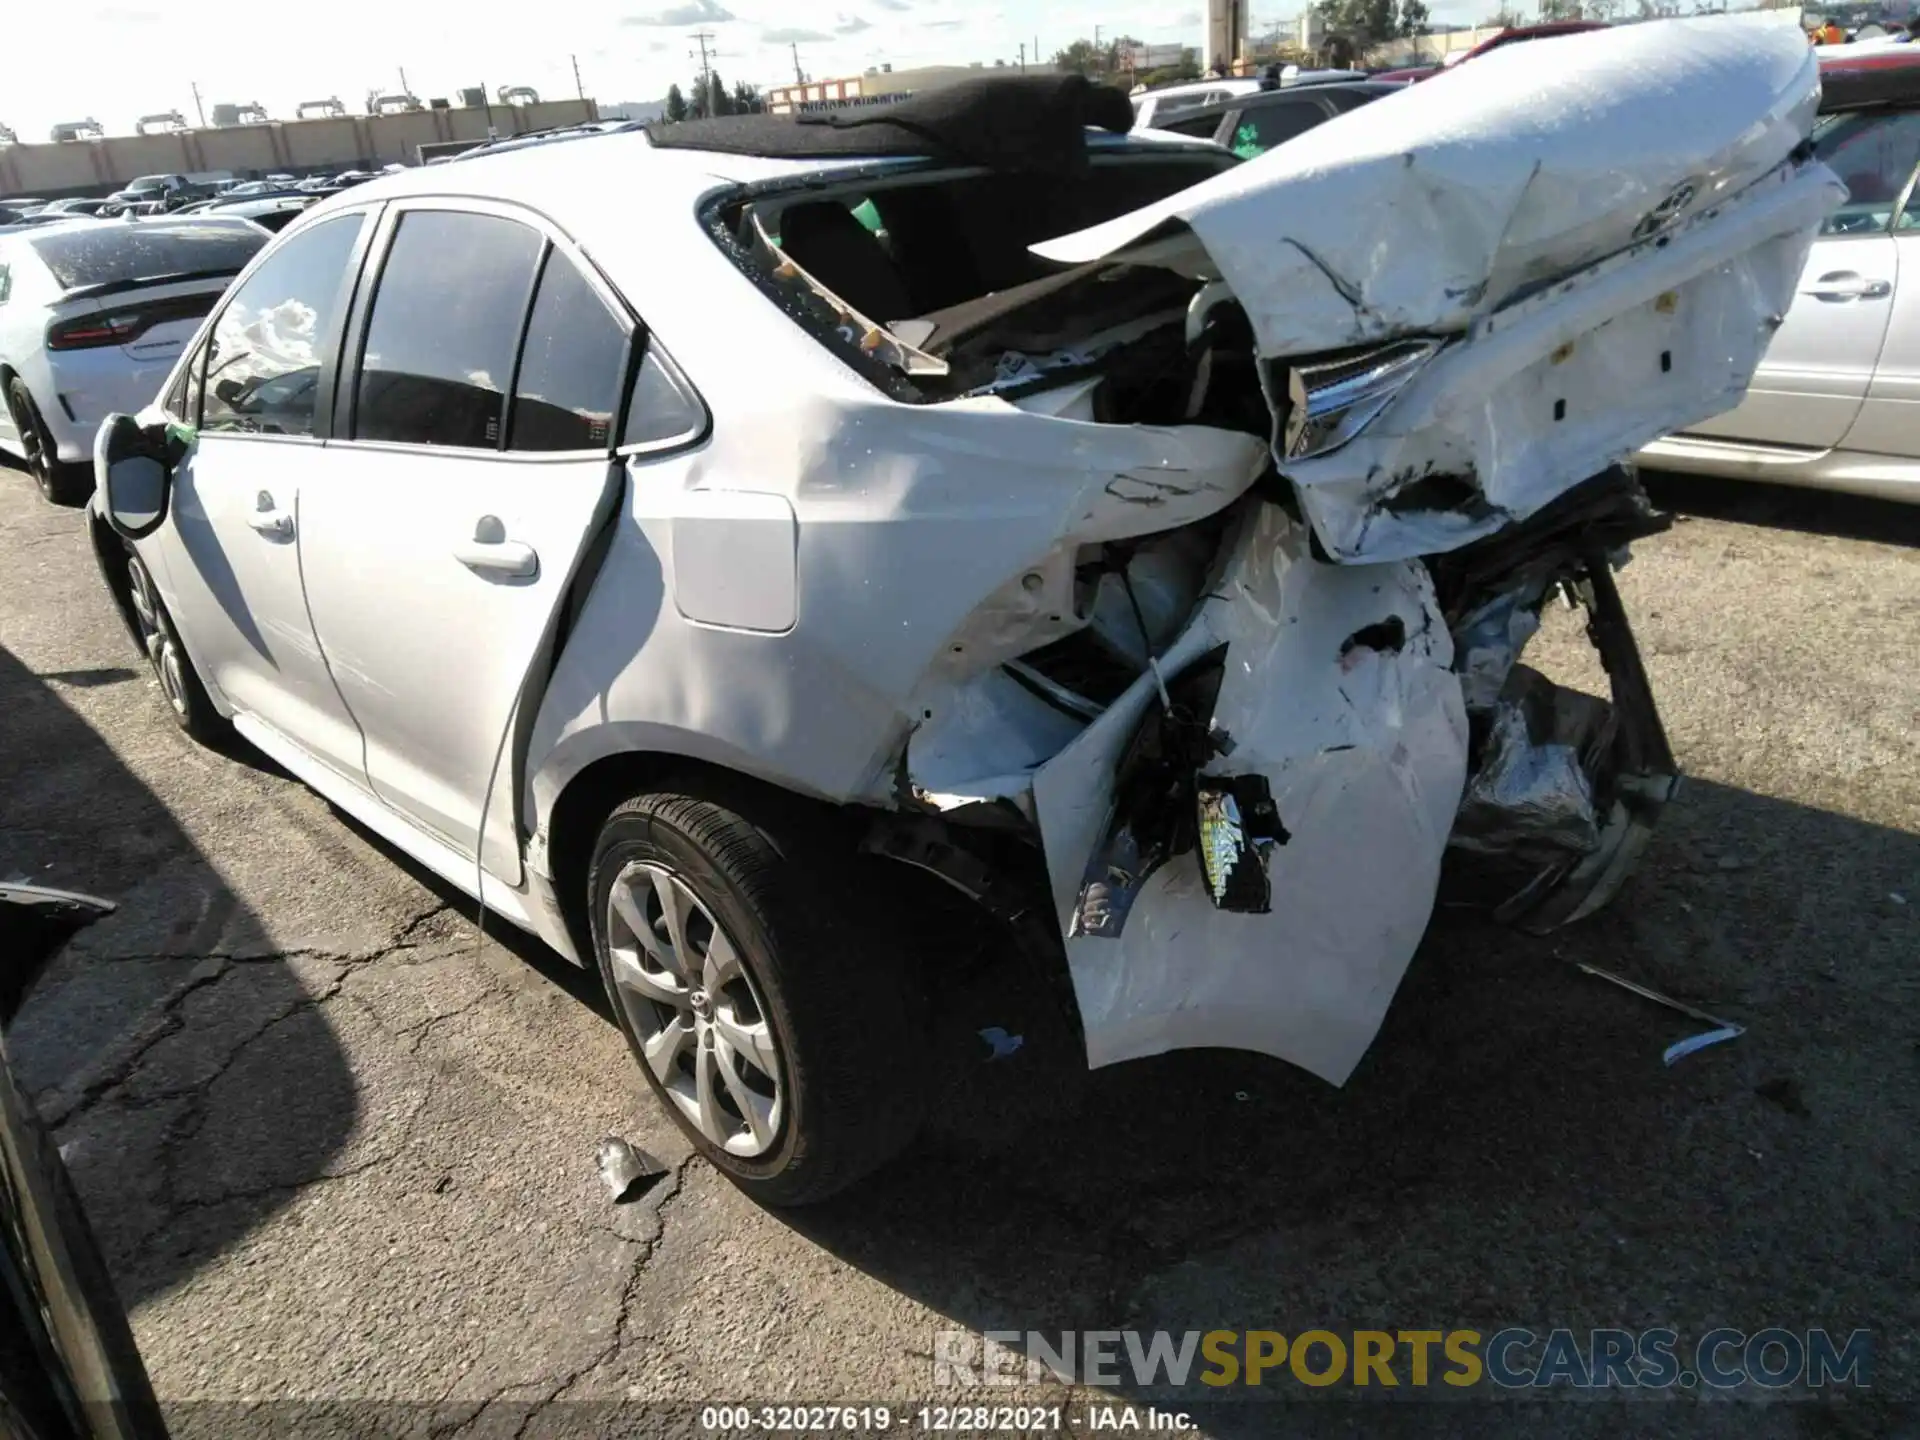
{"x": 142, "y": 56}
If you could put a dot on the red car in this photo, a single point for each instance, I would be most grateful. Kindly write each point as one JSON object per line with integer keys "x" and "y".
{"x": 1511, "y": 35}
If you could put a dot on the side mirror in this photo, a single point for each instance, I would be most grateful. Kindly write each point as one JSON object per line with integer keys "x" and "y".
{"x": 133, "y": 467}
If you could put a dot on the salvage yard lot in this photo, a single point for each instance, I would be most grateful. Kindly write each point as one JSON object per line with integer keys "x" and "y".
{"x": 339, "y": 1148}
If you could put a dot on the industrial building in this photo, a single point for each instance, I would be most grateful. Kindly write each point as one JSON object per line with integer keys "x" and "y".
{"x": 326, "y": 143}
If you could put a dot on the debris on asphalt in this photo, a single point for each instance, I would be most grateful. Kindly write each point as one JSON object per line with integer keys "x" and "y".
{"x": 1784, "y": 1091}
{"x": 999, "y": 1043}
{"x": 628, "y": 1170}
{"x": 1723, "y": 1029}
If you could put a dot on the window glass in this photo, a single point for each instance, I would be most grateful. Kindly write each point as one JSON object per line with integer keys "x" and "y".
{"x": 117, "y": 254}
{"x": 1202, "y": 127}
{"x": 571, "y": 369}
{"x": 660, "y": 410}
{"x": 6, "y": 283}
{"x": 1873, "y": 154}
{"x": 445, "y": 325}
{"x": 266, "y": 350}
{"x": 1262, "y": 127}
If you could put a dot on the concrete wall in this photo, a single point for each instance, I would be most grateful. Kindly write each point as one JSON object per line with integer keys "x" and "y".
{"x": 95, "y": 166}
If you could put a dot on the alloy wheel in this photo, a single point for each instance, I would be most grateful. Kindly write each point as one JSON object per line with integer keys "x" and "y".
{"x": 156, "y": 636}
{"x": 694, "y": 1006}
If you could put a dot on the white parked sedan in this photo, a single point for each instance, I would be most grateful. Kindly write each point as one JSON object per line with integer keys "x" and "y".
{"x": 1836, "y": 402}
{"x": 93, "y": 317}
{"x": 666, "y": 536}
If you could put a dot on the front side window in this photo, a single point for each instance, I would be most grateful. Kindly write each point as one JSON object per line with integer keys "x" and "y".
{"x": 571, "y": 367}
{"x": 1874, "y": 154}
{"x": 444, "y": 329}
{"x": 266, "y": 351}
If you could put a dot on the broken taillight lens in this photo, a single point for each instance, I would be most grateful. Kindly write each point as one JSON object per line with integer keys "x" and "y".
{"x": 1335, "y": 396}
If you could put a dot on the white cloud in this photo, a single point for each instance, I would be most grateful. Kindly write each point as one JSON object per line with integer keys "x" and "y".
{"x": 850, "y": 25}
{"x": 688, "y": 12}
{"x": 790, "y": 35}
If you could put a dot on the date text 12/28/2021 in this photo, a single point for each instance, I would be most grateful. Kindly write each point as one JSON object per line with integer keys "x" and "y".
{"x": 791, "y": 1419}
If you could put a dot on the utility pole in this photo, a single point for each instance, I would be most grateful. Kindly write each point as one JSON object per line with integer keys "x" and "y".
{"x": 198, "y": 108}
{"x": 799, "y": 76}
{"x": 706, "y": 72}
{"x": 1023, "y": 57}
{"x": 579, "y": 89}
{"x": 486, "y": 102}
{"x": 403, "y": 81}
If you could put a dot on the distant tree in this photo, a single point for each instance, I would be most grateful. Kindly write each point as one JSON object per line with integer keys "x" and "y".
{"x": 1360, "y": 22}
{"x": 1080, "y": 57}
{"x": 1414, "y": 18}
{"x": 1187, "y": 69}
{"x": 747, "y": 99}
{"x": 676, "y": 103}
{"x": 722, "y": 102}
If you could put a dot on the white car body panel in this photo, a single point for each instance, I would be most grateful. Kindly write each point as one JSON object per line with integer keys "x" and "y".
{"x": 1808, "y": 390}
{"x": 1366, "y": 754}
{"x": 433, "y": 697}
{"x": 1525, "y": 173}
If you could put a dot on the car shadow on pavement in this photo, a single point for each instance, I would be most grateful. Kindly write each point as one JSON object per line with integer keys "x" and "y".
{"x": 1785, "y": 507}
{"x": 1512, "y": 1151}
{"x": 175, "y": 1049}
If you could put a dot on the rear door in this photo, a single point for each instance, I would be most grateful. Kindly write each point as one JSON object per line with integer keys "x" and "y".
{"x": 1810, "y": 387}
{"x": 474, "y": 465}
{"x": 1261, "y": 126}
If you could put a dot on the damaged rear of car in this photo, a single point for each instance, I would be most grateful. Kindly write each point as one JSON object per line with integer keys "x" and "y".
{"x": 1283, "y": 467}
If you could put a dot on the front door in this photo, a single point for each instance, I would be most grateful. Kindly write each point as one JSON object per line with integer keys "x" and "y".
{"x": 1814, "y": 378}
{"x": 454, "y": 512}
{"x": 228, "y": 561}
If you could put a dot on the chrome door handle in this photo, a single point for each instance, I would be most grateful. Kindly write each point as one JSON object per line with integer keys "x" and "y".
{"x": 269, "y": 519}
{"x": 1846, "y": 285}
{"x": 507, "y": 557}
{"x": 491, "y": 553}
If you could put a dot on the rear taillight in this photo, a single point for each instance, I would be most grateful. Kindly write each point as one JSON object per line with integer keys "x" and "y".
{"x": 85, "y": 331}
{"x": 127, "y": 322}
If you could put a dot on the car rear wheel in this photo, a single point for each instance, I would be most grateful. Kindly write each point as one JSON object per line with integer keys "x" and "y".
{"x": 180, "y": 685}
{"x": 59, "y": 482}
{"x": 770, "y": 1006}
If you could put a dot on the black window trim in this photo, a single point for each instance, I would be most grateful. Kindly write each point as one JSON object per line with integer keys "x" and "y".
{"x": 324, "y": 384}
{"x": 557, "y": 240}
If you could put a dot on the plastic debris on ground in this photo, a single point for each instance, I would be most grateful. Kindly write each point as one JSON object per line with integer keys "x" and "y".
{"x": 999, "y": 1043}
{"x": 629, "y": 1171}
{"x": 1723, "y": 1029}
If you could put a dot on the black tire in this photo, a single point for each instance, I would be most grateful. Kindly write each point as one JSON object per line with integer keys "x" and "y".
{"x": 829, "y": 975}
{"x": 180, "y": 687}
{"x": 59, "y": 482}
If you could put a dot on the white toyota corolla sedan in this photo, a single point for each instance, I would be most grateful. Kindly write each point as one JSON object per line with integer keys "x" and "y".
{"x": 667, "y": 536}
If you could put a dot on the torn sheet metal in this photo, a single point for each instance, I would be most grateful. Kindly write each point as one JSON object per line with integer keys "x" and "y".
{"x": 1488, "y": 642}
{"x": 1364, "y": 757}
{"x": 1543, "y": 162}
{"x": 1603, "y": 242}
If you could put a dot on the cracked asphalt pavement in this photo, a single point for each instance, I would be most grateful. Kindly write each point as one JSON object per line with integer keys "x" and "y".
{"x": 339, "y": 1148}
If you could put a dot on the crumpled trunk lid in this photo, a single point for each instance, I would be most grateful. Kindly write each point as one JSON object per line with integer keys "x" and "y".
{"x": 1596, "y": 234}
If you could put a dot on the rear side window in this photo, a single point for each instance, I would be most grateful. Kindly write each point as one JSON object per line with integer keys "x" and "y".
{"x": 570, "y": 371}
{"x": 1261, "y": 127}
{"x": 661, "y": 411}
{"x": 267, "y": 348}
{"x": 444, "y": 329}
{"x": 1203, "y": 126}
{"x": 90, "y": 255}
